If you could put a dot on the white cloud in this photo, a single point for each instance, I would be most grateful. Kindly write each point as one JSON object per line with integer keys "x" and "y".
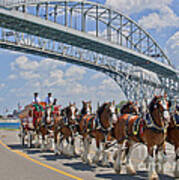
{"x": 136, "y": 6}
{"x": 48, "y": 63}
{"x": 75, "y": 72}
{"x": 38, "y": 75}
{"x": 165, "y": 18}
{"x": 1, "y": 99}
{"x": 55, "y": 79}
{"x": 77, "y": 89}
{"x": 65, "y": 84}
{"x": 12, "y": 76}
{"x": 97, "y": 76}
{"x": 29, "y": 75}
{"x": 172, "y": 47}
{"x": 108, "y": 84}
{"x": 56, "y": 74}
{"x": 162, "y": 18}
{"x": 23, "y": 63}
{"x": 2, "y": 85}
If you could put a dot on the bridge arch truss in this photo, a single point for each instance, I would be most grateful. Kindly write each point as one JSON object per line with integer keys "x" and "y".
{"x": 134, "y": 53}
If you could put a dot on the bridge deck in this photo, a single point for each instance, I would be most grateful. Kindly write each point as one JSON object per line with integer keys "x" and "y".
{"x": 46, "y": 29}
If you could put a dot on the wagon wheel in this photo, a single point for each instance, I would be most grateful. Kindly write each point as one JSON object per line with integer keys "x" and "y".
{"x": 29, "y": 145}
{"x": 22, "y": 135}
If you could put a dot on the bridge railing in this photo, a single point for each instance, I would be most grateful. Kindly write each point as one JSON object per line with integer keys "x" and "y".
{"x": 5, "y": 3}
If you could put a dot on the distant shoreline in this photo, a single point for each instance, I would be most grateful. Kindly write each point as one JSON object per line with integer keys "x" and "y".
{"x": 10, "y": 124}
{"x": 9, "y": 120}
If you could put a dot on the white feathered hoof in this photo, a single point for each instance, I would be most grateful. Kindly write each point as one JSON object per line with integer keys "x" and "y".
{"x": 89, "y": 162}
{"x": 115, "y": 156}
{"x": 70, "y": 150}
{"x": 56, "y": 152}
{"x": 105, "y": 160}
{"x": 130, "y": 170}
{"x": 61, "y": 149}
{"x": 153, "y": 176}
{"x": 83, "y": 158}
{"x": 43, "y": 148}
{"x": 86, "y": 160}
{"x": 95, "y": 160}
{"x": 160, "y": 168}
{"x": 146, "y": 162}
{"x": 176, "y": 173}
{"x": 117, "y": 168}
{"x": 71, "y": 153}
{"x": 65, "y": 151}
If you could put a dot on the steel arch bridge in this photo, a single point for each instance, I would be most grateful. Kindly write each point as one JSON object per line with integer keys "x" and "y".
{"x": 91, "y": 35}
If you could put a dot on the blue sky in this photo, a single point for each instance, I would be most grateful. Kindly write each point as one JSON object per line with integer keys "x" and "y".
{"x": 23, "y": 74}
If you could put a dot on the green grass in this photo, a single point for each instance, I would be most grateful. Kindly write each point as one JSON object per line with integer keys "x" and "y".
{"x": 9, "y": 129}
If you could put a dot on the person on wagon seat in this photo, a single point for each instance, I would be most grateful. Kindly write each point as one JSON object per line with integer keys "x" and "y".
{"x": 36, "y": 101}
{"x": 37, "y": 108}
{"x": 49, "y": 99}
{"x": 36, "y": 98}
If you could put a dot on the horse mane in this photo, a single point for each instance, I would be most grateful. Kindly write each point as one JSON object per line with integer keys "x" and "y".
{"x": 152, "y": 103}
{"x": 101, "y": 108}
{"x": 66, "y": 109}
{"x": 83, "y": 110}
{"x": 125, "y": 105}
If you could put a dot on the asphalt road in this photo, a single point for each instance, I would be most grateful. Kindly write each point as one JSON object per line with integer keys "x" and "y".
{"x": 19, "y": 163}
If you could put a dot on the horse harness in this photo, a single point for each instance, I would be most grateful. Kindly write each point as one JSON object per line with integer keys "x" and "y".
{"x": 136, "y": 128}
{"x": 153, "y": 126}
{"x": 88, "y": 120}
{"x": 139, "y": 125}
{"x": 176, "y": 119}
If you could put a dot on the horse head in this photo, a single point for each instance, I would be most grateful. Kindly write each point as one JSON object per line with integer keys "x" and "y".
{"x": 48, "y": 113}
{"x": 129, "y": 108}
{"x": 107, "y": 114}
{"x": 174, "y": 115}
{"x": 70, "y": 112}
{"x": 87, "y": 108}
{"x": 159, "y": 110}
{"x": 26, "y": 112}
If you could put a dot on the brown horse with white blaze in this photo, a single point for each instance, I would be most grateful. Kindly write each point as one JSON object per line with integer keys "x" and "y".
{"x": 151, "y": 131}
{"x": 173, "y": 136}
{"x": 25, "y": 116}
{"x": 66, "y": 130}
{"x": 106, "y": 114}
{"x": 47, "y": 124}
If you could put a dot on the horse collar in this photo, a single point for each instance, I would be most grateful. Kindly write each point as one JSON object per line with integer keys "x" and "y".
{"x": 152, "y": 125}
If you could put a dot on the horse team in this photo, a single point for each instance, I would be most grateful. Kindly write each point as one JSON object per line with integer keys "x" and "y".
{"x": 152, "y": 128}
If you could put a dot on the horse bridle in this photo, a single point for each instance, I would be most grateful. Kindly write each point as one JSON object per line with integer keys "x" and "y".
{"x": 111, "y": 115}
{"x": 161, "y": 113}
